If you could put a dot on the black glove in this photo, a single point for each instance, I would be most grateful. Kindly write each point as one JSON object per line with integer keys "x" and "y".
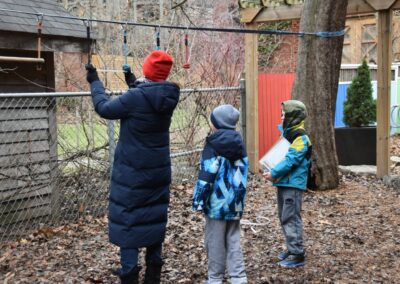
{"x": 91, "y": 75}
{"x": 130, "y": 78}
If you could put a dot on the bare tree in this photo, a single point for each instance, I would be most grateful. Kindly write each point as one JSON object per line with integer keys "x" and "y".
{"x": 317, "y": 82}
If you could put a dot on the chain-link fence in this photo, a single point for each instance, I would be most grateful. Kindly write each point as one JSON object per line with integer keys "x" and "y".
{"x": 56, "y": 152}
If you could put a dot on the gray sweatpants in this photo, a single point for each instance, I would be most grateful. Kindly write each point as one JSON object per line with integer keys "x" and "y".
{"x": 289, "y": 206}
{"x": 222, "y": 241}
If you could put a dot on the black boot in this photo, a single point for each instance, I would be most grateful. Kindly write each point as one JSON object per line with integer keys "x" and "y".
{"x": 131, "y": 277}
{"x": 153, "y": 273}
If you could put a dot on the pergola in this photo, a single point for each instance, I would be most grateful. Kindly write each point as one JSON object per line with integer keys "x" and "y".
{"x": 257, "y": 15}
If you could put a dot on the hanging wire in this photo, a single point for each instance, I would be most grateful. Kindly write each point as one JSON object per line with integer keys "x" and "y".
{"x": 157, "y": 34}
{"x": 89, "y": 40}
{"x": 186, "y": 65}
{"x": 321, "y": 34}
{"x": 38, "y": 59}
{"x": 39, "y": 44}
{"x": 125, "y": 43}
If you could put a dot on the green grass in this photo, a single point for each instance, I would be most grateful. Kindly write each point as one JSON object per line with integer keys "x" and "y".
{"x": 72, "y": 137}
{"x": 182, "y": 116}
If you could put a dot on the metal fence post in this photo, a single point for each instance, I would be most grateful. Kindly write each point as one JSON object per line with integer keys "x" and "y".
{"x": 111, "y": 143}
{"x": 243, "y": 107}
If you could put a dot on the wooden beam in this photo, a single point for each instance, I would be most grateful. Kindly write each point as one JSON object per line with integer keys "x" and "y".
{"x": 251, "y": 75}
{"x": 396, "y": 5}
{"x": 285, "y": 12}
{"x": 359, "y": 7}
{"x": 248, "y": 15}
{"x": 385, "y": 26}
{"x": 280, "y": 13}
{"x": 381, "y": 4}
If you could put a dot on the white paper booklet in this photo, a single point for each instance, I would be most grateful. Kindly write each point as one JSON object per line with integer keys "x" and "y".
{"x": 275, "y": 155}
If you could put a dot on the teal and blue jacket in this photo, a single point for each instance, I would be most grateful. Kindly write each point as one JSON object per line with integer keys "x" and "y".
{"x": 220, "y": 190}
{"x": 293, "y": 170}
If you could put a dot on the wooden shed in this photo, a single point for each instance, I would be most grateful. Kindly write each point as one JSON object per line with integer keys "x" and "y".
{"x": 28, "y": 128}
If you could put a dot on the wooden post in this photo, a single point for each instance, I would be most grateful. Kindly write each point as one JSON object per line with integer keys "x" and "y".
{"x": 383, "y": 102}
{"x": 251, "y": 73}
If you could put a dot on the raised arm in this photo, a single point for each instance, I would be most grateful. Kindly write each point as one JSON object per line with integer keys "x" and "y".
{"x": 130, "y": 78}
{"x": 105, "y": 107}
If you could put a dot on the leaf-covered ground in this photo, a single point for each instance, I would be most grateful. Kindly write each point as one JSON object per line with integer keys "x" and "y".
{"x": 352, "y": 235}
{"x": 395, "y": 151}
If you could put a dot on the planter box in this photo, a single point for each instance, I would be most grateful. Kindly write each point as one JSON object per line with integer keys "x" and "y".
{"x": 356, "y": 145}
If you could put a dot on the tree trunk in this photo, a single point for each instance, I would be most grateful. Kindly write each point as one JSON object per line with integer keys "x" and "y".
{"x": 316, "y": 84}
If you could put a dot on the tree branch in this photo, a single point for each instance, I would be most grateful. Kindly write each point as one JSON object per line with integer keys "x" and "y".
{"x": 187, "y": 16}
{"x": 178, "y": 5}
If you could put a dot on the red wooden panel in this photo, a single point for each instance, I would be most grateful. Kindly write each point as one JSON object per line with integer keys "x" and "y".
{"x": 273, "y": 89}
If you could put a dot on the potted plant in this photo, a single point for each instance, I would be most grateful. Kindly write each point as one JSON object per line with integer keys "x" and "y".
{"x": 356, "y": 143}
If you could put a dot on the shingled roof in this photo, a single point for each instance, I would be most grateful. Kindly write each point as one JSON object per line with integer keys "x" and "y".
{"x": 53, "y": 26}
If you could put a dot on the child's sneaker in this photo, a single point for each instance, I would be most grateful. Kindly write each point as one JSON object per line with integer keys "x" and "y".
{"x": 293, "y": 260}
{"x": 283, "y": 255}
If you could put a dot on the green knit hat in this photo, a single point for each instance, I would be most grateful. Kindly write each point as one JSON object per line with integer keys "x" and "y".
{"x": 295, "y": 112}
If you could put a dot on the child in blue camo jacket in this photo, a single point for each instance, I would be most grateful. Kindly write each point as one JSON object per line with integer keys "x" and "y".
{"x": 220, "y": 193}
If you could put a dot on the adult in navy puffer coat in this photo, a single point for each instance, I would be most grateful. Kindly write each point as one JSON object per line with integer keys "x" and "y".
{"x": 141, "y": 176}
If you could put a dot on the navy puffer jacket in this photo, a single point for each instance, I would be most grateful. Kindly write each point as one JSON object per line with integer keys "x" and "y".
{"x": 141, "y": 176}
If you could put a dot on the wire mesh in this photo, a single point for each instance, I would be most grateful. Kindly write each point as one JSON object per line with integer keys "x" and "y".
{"x": 56, "y": 155}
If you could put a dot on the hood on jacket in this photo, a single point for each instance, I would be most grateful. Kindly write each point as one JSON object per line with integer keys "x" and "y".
{"x": 286, "y": 131}
{"x": 289, "y": 129}
{"x": 295, "y": 112}
{"x": 227, "y": 143}
{"x": 163, "y": 96}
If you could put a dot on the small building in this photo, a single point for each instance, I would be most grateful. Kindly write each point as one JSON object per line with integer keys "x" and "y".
{"x": 28, "y": 127}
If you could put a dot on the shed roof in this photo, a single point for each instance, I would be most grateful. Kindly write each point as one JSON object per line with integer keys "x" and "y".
{"x": 18, "y": 22}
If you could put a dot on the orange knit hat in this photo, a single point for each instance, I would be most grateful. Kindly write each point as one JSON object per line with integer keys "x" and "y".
{"x": 157, "y": 65}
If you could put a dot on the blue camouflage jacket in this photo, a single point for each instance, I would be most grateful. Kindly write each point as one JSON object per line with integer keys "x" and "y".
{"x": 220, "y": 191}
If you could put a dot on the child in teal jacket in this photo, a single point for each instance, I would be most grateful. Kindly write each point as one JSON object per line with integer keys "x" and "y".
{"x": 290, "y": 177}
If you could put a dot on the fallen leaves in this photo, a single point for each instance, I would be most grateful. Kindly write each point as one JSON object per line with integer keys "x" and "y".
{"x": 352, "y": 235}
{"x": 395, "y": 154}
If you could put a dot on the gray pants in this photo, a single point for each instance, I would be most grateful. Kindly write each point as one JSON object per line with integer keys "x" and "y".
{"x": 289, "y": 207}
{"x": 222, "y": 241}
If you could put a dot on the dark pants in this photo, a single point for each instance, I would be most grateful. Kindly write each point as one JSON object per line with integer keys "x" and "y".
{"x": 289, "y": 206}
{"x": 130, "y": 257}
